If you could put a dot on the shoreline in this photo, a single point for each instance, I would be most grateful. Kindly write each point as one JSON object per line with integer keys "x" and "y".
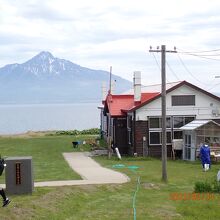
{"x": 44, "y": 133}
{"x": 29, "y": 134}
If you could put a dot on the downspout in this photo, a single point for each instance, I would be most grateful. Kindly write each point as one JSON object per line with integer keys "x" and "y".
{"x": 134, "y": 141}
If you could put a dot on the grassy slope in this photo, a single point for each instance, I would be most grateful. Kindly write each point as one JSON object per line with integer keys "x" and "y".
{"x": 46, "y": 152}
{"x": 108, "y": 201}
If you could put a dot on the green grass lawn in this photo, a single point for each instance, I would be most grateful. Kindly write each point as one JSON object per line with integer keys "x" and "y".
{"x": 112, "y": 202}
{"x": 46, "y": 152}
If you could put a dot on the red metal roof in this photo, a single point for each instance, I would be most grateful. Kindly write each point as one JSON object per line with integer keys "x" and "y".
{"x": 119, "y": 104}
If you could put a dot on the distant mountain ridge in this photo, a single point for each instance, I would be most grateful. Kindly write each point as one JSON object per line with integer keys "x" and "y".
{"x": 45, "y": 78}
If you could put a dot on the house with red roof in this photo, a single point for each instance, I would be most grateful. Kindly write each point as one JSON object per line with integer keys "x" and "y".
{"x": 133, "y": 120}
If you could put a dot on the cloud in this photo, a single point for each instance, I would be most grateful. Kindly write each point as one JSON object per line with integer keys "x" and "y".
{"x": 97, "y": 33}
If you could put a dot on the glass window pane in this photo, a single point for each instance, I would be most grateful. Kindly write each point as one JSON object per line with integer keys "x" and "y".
{"x": 154, "y": 123}
{"x": 168, "y": 137}
{"x": 178, "y": 122}
{"x": 155, "y": 138}
{"x": 188, "y": 119}
{"x": 177, "y": 135}
{"x": 168, "y": 122}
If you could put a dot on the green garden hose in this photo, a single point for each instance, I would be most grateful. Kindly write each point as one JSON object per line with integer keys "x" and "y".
{"x": 133, "y": 169}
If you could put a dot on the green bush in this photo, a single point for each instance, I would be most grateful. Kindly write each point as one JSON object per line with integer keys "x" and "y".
{"x": 203, "y": 187}
{"x": 92, "y": 131}
{"x": 216, "y": 186}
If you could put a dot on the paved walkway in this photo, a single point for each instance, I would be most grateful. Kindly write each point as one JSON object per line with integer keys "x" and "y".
{"x": 90, "y": 171}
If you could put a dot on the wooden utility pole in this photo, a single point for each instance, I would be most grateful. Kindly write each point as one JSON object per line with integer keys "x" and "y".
{"x": 109, "y": 116}
{"x": 163, "y": 52}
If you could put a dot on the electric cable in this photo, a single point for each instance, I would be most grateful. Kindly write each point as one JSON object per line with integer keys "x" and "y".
{"x": 201, "y": 56}
{"x": 159, "y": 66}
{"x": 172, "y": 71}
{"x": 156, "y": 61}
{"x": 199, "y": 51}
{"x": 185, "y": 67}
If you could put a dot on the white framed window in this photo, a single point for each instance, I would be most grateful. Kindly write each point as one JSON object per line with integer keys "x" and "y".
{"x": 155, "y": 137}
{"x": 179, "y": 121}
{"x": 173, "y": 123}
{"x": 155, "y": 122}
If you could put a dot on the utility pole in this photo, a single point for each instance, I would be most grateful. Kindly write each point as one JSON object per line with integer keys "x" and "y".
{"x": 109, "y": 116}
{"x": 163, "y": 52}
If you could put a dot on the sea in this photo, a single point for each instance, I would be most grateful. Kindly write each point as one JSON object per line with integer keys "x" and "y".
{"x": 21, "y": 118}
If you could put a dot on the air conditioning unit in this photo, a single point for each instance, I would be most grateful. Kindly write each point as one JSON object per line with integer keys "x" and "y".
{"x": 177, "y": 144}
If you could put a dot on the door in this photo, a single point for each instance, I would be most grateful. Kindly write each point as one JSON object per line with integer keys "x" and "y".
{"x": 188, "y": 142}
{"x": 121, "y": 135}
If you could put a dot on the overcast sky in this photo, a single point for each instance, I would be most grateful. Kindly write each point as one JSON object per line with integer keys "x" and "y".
{"x": 118, "y": 33}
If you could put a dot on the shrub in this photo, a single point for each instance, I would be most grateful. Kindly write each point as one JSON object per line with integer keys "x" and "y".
{"x": 216, "y": 186}
{"x": 212, "y": 186}
{"x": 92, "y": 131}
{"x": 203, "y": 187}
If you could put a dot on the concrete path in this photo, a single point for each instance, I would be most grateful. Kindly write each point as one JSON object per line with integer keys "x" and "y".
{"x": 90, "y": 171}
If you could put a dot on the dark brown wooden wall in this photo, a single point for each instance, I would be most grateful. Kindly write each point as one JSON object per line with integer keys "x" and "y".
{"x": 141, "y": 130}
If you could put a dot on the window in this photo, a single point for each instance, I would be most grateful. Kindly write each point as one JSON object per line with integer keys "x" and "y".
{"x": 188, "y": 120}
{"x": 183, "y": 100}
{"x": 156, "y": 137}
{"x": 173, "y": 123}
{"x": 177, "y": 134}
{"x": 168, "y": 122}
{"x": 178, "y": 122}
{"x": 154, "y": 123}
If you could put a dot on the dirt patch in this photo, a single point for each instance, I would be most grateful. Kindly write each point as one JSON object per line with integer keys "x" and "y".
{"x": 150, "y": 186}
{"x": 88, "y": 188}
{"x": 50, "y": 199}
{"x": 166, "y": 212}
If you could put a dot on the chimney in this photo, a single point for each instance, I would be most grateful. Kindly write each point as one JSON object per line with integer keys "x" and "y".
{"x": 137, "y": 87}
{"x": 104, "y": 91}
{"x": 113, "y": 85}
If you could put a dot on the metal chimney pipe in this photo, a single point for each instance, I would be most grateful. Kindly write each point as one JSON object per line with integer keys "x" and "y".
{"x": 104, "y": 91}
{"x": 137, "y": 86}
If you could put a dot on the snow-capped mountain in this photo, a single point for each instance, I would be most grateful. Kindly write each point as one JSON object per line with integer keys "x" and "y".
{"x": 45, "y": 78}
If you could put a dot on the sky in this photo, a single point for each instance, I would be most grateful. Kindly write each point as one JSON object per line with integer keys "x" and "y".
{"x": 98, "y": 34}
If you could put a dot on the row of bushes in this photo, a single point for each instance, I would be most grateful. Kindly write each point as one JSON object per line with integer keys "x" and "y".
{"x": 92, "y": 131}
{"x": 205, "y": 186}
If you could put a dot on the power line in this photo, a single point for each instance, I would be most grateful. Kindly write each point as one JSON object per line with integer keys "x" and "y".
{"x": 156, "y": 61}
{"x": 198, "y": 51}
{"x": 159, "y": 66}
{"x": 213, "y": 86}
{"x": 172, "y": 71}
{"x": 201, "y": 56}
{"x": 185, "y": 67}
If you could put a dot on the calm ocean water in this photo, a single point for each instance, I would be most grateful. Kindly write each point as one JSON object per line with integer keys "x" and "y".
{"x": 16, "y": 119}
